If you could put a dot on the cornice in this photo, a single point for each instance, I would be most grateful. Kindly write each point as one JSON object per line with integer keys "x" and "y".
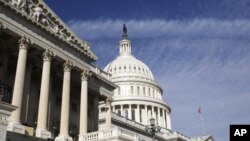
{"x": 39, "y": 14}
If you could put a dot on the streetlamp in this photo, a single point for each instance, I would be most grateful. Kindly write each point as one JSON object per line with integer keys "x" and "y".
{"x": 152, "y": 129}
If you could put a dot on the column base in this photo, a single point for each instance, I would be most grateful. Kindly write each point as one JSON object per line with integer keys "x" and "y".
{"x": 43, "y": 133}
{"x": 63, "y": 138}
{"x": 16, "y": 127}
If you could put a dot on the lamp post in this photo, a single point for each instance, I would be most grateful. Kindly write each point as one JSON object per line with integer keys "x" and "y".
{"x": 152, "y": 129}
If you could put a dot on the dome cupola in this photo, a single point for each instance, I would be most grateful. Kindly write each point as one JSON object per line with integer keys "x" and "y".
{"x": 125, "y": 44}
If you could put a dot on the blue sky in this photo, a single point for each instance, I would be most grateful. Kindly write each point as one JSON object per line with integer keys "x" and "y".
{"x": 198, "y": 51}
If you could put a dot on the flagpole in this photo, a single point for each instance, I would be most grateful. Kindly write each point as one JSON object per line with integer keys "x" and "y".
{"x": 201, "y": 121}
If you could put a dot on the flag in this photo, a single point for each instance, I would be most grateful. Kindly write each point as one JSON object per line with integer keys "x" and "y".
{"x": 199, "y": 110}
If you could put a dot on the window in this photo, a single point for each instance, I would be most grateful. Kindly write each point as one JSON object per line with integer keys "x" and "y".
{"x": 138, "y": 90}
{"x": 119, "y": 91}
{"x": 126, "y": 113}
{"x": 144, "y": 91}
{"x": 140, "y": 115}
{"x": 149, "y": 94}
{"x": 133, "y": 114}
{"x": 132, "y": 90}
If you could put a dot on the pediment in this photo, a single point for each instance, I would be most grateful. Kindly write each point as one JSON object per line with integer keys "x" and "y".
{"x": 40, "y": 14}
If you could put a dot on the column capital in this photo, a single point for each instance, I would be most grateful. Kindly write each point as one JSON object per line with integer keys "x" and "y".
{"x": 24, "y": 42}
{"x": 109, "y": 100}
{"x": 67, "y": 66}
{"x": 85, "y": 75}
{"x": 48, "y": 55}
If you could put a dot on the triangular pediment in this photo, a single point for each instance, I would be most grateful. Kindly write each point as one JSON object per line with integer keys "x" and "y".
{"x": 40, "y": 14}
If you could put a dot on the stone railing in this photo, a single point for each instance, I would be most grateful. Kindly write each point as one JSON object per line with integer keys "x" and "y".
{"x": 110, "y": 134}
{"x": 165, "y": 133}
{"x": 101, "y": 72}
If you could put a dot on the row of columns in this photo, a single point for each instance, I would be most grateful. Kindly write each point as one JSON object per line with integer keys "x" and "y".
{"x": 15, "y": 123}
{"x": 163, "y": 121}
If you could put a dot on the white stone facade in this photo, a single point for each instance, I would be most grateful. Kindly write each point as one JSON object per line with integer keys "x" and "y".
{"x": 47, "y": 73}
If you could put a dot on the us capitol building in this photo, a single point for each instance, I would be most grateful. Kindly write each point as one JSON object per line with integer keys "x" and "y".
{"x": 50, "y": 88}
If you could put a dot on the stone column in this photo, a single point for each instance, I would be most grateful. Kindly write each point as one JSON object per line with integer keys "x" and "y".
{"x": 161, "y": 116}
{"x": 137, "y": 115}
{"x": 108, "y": 113}
{"x": 164, "y": 118}
{"x": 64, "y": 123}
{"x": 129, "y": 112}
{"x": 153, "y": 112}
{"x": 42, "y": 131}
{"x": 114, "y": 108}
{"x": 146, "y": 115}
{"x": 122, "y": 110}
{"x": 15, "y": 123}
{"x": 158, "y": 116}
{"x": 168, "y": 121}
{"x": 96, "y": 112}
{"x": 84, "y": 105}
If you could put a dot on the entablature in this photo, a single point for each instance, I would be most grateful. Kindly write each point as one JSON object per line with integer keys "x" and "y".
{"x": 39, "y": 14}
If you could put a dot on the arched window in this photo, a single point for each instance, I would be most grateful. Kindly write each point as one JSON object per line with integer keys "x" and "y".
{"x": 149, "y": 94}
{"x": 154, "y": 93}
{"x": 144, "y": 91}
{"x": 132, "y": 90}
{"x": 138, "y": 90}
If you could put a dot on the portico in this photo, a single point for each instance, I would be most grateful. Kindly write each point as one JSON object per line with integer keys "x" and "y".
{"x": 54, "y": 84}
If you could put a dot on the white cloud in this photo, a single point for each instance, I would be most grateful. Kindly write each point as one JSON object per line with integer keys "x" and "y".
{"x": 201, "y": 62}
{"x": 157, "y": 28}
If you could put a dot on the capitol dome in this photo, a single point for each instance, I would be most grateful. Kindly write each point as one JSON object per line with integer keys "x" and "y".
{"x": 126, "y": 66}
{"x": 138, "y": 96}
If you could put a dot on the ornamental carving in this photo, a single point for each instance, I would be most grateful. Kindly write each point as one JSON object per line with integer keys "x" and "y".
{"x": 40, "y": 14}
{"x": 109, "y": 101}
{"x": 1, "y": 27}
{"x": 67, "y": 66}
{"x": 48, "y": 55}
{"x": 4, "y": 119}
{"x": 24, "y": 42}
{"x": 85, "y": 75}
